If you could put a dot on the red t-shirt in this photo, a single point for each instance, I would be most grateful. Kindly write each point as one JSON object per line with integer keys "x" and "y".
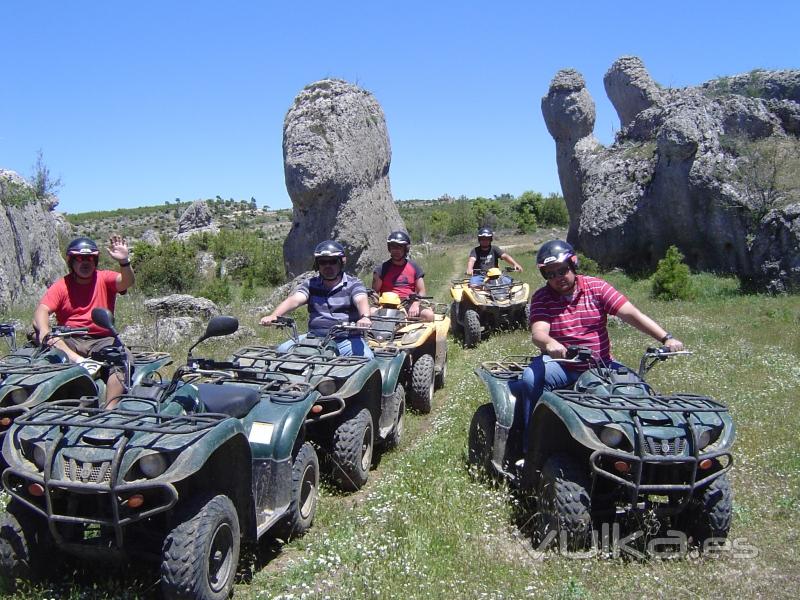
{"x": 73, "y": 302}
{"x": 401, "y": 279}
{"x": 580, "y": 320}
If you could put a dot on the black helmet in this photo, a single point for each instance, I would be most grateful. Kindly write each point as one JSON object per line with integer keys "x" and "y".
{"x": 485, "y": 232}
{"x": 82, "y": 246}
{"x": 399, "y": 237}
{"x": 556, "y": 251}
{"x": 329, "y": 248}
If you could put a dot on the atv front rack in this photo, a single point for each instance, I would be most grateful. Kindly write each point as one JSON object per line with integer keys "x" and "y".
{"x": 64, "y": 413}
{"x": 269, "y": 359}
{"x": 651, "y": 451}
{"x": 51, "y": 496}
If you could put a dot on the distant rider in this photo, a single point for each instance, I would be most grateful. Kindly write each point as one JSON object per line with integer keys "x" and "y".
{"x": 485, "y": 256}
{"x": 73, "y": 297}
{"x": 333, "y": 297}
{"x": 401, "y": 275}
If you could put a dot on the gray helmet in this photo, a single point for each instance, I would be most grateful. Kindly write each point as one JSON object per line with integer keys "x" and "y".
{"x": 556, "y": 251}
{"x": 486, "y": 232}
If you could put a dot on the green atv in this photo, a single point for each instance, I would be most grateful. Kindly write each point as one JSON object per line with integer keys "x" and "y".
{"x": 179, "y": 475}
{"x": 33, "y": 374}
{"x": 409, "y": 350}
{"x": 360, "y": 411}
{"x": 607, "y": 448}
{"x": 496, "y": 303}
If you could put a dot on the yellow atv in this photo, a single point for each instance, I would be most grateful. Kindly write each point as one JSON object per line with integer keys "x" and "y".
{"x": 495, "y": 302}
{"x": 415, "y": 349}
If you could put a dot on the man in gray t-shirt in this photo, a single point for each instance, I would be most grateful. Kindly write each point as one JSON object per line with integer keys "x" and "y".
{"x": 486, "y": 256}
{"x": 332, "y": 297}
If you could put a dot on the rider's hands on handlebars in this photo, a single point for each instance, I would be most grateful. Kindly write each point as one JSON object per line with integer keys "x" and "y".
{"x": 674, "y": 345}
{"x": 267, "y": 320}
{"x": 554, "y": 349}
{"x": 364, "y": 322}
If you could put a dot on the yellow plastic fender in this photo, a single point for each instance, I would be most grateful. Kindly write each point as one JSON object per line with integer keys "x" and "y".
{"x": 456, "y": 292}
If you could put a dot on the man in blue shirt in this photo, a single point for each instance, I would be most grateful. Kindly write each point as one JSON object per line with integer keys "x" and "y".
{"x": 333, "y": 297}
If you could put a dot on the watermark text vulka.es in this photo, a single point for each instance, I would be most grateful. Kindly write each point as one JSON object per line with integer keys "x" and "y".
{"x": 610, "y": 543}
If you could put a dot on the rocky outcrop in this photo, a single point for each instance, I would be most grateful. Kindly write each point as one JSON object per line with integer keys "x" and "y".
{"x": 181, "y": 305}
{"x": 197, "y": 218}
{"x": 677, "y": 172}
{"x": 336, "y": 163}
{"x": 31, "y": 259}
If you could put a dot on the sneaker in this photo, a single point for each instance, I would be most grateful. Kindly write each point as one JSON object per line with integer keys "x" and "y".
{"x": 92, "y": 366}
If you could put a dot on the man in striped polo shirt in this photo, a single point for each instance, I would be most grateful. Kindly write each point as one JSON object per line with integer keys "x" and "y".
{"x": 333, "y": 297}
{"x": 572, "y": 310}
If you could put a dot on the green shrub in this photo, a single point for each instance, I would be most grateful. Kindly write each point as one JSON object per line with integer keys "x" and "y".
{"x": 170, "y": 267}
{"x": 552, "y": 211}
{"x": 672, "y": 280}
{"x": 588, "y": 266}
{"x": 217, "y": 290}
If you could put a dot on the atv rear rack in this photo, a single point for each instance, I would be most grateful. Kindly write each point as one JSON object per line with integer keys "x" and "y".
{"x": 26, "y": 366}
{"x": 509, "y": 367}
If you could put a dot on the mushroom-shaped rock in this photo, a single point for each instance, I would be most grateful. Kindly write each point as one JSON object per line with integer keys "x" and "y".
{"x": 336, "y": 163}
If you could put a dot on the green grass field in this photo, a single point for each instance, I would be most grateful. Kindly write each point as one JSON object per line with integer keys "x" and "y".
{"x": 426, "y": 527}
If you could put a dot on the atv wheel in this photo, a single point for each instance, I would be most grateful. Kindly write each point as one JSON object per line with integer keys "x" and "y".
{"x": 472, "y": 328}
{"x": 526, "y": 316}
{"x": 564, "y": 503}
{"x": 200, "y": 555}
{"x": 24, "y": 543}
{"x": 422, "y": 382}
{"x": 305, "y": 492}
{"x": 708, "y": 515}
{"x": 481, "y": 438}
{"x": 353, "y": 442}
{"x": 393, "y": 440}
{"x": 441, "y": 376}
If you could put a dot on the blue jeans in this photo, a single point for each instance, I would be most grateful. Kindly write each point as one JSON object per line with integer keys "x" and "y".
{"x": 352, "y": 346}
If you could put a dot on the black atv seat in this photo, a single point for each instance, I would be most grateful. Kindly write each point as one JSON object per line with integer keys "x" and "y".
{"x": 232, "y": 400}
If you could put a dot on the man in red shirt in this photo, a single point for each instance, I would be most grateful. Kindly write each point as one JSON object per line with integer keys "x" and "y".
{"x": 401, "y": 275}
{"x": 73, "y": 297}
{"x": 572, "y": 310}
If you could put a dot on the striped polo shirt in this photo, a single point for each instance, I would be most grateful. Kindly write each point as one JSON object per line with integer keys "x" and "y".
{"x": 328, "y": 307}
{"x": 580, "y": 320}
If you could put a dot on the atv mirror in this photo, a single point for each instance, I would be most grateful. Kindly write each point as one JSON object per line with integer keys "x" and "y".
{"x": 217, "y": 327}
{"x": 222, "y": 325}
{"x": 104, "y": 318}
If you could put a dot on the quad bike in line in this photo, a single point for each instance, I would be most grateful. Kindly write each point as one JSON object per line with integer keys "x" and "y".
{"x": 409, "y": 349}
{"x": 498, "y": 302}
{"x": 37, "y": 373}
{"x": 360, "y": 412}
{"x": 607, "y": 447}
{"x": 222, "y": 454}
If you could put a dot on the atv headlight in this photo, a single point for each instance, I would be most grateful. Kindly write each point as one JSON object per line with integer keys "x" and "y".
{"x": 18, "y": 395}
{"x": 611, "y": 436}
{"x": 153, "y": 465}
{"x": 704, "y": 439}
{"x": 326, "y": 387}
{"x": 39, "y": 456}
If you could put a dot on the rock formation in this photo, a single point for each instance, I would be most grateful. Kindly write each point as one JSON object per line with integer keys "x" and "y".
{"x": 197, "y": 218}
{"x": 677, "y": 172}
{"x": 181, "y": 305}
{"x": 31, "y": 259}
{"x": 336, "y": 163}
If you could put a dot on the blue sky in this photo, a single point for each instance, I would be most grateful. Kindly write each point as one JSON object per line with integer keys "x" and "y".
{"x": 136, "y": 103}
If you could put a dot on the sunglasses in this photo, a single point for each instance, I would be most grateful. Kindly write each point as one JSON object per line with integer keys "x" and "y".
{"x": 557, "y": 273}
{"x": 83, "y": 258}
{"x": 396, "y": 247}
{"x": 327, "y": 261}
